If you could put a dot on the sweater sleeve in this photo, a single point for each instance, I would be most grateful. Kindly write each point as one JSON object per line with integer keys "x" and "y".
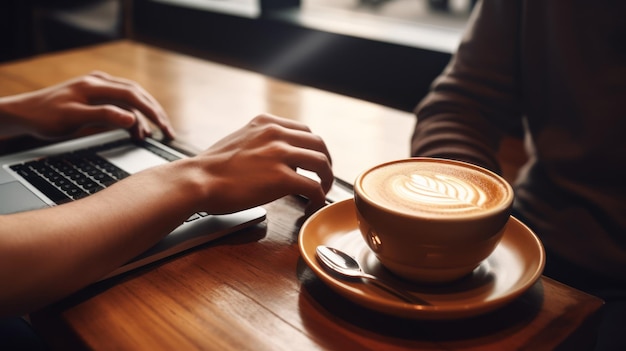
{"x": 476, "y": 98}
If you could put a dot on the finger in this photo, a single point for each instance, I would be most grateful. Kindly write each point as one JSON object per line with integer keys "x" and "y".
{"x": 103, "y": 115}
{"x": 308, "y": 188}
{"x": 266, "y": 118}
{"x": 131, "y": 94}
{"x": 305, "y": 140}
{"x": 315, "y": 162}
{"x": 141, "y": 128}
{"x": 132, "y": 85}
{"x": 114, "y": 116}
{"x": 300, "y": 138}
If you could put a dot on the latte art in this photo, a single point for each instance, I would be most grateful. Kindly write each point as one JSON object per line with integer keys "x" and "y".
{"x": 436, "y": 191}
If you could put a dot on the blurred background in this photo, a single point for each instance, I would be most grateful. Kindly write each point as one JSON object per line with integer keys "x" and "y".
{"x": 384, "y": 51}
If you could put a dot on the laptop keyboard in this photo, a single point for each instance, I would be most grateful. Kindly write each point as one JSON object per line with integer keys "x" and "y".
{"x": 70, "y": 176}
{"x": 74, "y": 175}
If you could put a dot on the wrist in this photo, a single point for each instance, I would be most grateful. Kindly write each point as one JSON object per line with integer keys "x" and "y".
{"x": 10, "y": 119}
{"x": 187, "y": 183}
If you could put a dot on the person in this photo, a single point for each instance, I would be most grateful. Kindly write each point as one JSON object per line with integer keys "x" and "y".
{"x": 556, "y": 71}
{"x": 48, "y": 254}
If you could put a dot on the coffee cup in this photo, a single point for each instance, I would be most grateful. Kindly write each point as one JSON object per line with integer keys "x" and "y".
{"x": 431, "y": 220}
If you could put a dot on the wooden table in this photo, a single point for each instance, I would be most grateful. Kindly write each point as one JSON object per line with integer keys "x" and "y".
{"x": 252, "y": 291}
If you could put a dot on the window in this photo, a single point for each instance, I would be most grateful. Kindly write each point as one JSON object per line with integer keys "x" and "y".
{"x": 244, "y": 8}
{"x": 430, "y": 24}
{"x": 384, "y": 51}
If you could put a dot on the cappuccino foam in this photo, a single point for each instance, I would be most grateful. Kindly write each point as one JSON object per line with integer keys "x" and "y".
{"x": 434, "y": 188}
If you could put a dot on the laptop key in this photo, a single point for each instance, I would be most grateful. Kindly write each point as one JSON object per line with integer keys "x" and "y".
{"x": 40, "y": 183}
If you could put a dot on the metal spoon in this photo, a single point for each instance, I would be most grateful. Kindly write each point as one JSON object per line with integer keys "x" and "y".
{"x": 348, "y": 267}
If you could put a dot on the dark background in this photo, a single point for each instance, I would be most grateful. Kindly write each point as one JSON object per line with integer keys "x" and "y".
{"x": 382, "y": 72}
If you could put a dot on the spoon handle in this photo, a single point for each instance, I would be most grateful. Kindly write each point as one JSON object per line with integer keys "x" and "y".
{"x": 405, "y": 296}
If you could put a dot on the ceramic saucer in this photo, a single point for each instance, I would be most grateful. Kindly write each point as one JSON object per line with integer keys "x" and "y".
{"x": 513, "y": 267}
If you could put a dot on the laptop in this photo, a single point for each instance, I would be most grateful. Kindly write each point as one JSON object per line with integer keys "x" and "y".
{"x": 67, "y": 171}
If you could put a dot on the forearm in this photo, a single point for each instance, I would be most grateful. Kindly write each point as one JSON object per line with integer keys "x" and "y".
{"x": 454, "y": 136}
{"x": 51, "y": 253}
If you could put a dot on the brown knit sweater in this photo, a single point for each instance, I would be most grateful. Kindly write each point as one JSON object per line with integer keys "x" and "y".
{"x": 557, "y": 69}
